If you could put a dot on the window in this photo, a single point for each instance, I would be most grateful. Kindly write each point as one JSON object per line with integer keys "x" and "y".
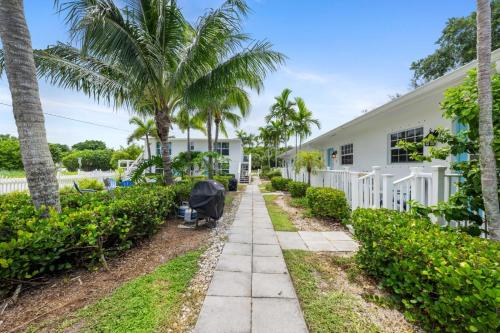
{"x": 222, "y": 148}
{"x": 191, "y": 147}
{"x": 158, "y": 149}
{"x": 347, "y": 154}
{"x": 411, "y": 135}
{"x": 329, "y": 159}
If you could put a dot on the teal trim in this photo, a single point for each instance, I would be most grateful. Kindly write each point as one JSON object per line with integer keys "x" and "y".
{"x": 457, "y": 127}
{"x": 329, "y": 160}
{"x": 158, "y": 149}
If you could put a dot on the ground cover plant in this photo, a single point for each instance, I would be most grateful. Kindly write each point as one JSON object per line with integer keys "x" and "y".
{"x": 280, "y": 219}
{"x": 89, "y": 228}
{"x": 444, "y": 278}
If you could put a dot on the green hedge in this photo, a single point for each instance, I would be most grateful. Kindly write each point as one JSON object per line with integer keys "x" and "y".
{"x": 90, "y": 226}
{"x": 280, "y": 183}
{"x": 224, "y": 180}
{"x": 272, "y": 173}
{"x": 328, "y": 202}
{"x": 445, "y": 279}
{"x": 92, "y": 184}
{"x": 91, "y": 160}
{"x": 297, "y": 189}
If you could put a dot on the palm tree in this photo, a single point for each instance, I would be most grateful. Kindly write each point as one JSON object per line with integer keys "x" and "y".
{"x": 486, "y": 154}
{"x": 275, "y": 131}
{"x": 27, "y": 108}
{"x": 312, "y": 161}
{"x": 185, "y": 120}
{"x": 283, "y": 111}
{"x": 147, "y": 56}
{"x": 267, "y": 140}
{"x": 243, "y": 136}
{"x": 302, "y": 122}
{"x": 145, "y": 129}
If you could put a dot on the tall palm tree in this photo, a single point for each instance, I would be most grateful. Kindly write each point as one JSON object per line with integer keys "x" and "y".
{"x": 302, "y": 122}
{"x": 21, "y": 74}
{"x": 486, "y": 154}
{"x": 145, "y": 129}
{"x": 275, "y": 130}
{"x": 283, "y": 111}
{"x": 146, "y": 55}
{"x": 186, "y": 121}
{"x": 244, "y": 137}
{"x": 267, "y": 140}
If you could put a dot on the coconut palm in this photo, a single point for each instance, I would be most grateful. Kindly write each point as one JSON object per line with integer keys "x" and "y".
{"x": 485, "y": 100}
{"x": 17, "y": 60}
{"x": 283, "y": 110}
{"x": 302, "y": 122}
{"x": 185, "y": 120}
{"x": 147, "y": 56}
{"x": 312, "y": 161}
{"x": 144, "y": 129}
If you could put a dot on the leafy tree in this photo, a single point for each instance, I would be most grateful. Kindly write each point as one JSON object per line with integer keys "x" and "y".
{"x": 58, "y": 151}
{"x": 91, "y": 160}
{"x": 17, "y": 61}
{"x": 10, "y": 157}
{"x": 125, "y": 153}
{"x": 147, "y": 56}
{"x": 456, "y": 47}
{"x": 311, "y": 160}
{"x": 489, "y": 183}
{"x": 460, "y": 104}
{"x": 89, "y": 145}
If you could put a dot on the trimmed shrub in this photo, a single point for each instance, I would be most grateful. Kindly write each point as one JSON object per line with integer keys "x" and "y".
{"x": 182, "y": 191}
{"x": 445, "y": 279}
{"x": 280, "y": 183}
{"x": 89, "y": 227}
{"x": 328, "y": 202}
{"x": 297, "y": 189}
{"x": 89, "y": 183}
{"x": 91, "y": 160}
{"x": 224, "y": 180}
{"x": 272, "y": 173}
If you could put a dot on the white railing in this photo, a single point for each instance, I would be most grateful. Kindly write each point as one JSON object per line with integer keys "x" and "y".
{"x": 8, "y": 185}
{"x": 130, "y": 165}
{"x": 376, "y": 190}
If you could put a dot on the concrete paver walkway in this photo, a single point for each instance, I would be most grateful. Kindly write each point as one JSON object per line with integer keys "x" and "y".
{"x": 251, "y": 290}
{"x": 333, "y": 241}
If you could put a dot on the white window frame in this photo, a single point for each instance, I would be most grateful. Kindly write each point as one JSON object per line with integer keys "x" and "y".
{"x": 403, "y": 135}
{"x": 346, "y": 154}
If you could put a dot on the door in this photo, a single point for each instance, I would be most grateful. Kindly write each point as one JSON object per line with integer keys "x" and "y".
{"x": 329, "y": 159}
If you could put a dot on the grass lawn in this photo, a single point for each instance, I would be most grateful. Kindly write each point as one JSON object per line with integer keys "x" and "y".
{"x": 280, "y": 219}
{"x": 326, "y": 307}
{"x": 144, "y": 304}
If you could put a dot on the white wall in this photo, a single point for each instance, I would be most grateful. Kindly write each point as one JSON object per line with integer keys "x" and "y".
{"x": 235, "y": 150}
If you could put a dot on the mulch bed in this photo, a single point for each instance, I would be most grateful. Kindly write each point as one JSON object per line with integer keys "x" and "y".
{"x": 63, "y": 294}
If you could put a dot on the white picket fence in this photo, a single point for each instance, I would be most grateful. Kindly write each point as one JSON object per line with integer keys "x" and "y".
{"x": 377, "y": 190}
{"x": 8, "y": 185}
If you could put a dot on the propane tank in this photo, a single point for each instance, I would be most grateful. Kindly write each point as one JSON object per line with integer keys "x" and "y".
{"x": 182, "y": 209}
{"x": 190, "y": 215}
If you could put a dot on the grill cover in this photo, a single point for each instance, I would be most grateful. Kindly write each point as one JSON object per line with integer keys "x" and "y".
{"x": 233, "y": 184}
{"x": 207, "y": 197}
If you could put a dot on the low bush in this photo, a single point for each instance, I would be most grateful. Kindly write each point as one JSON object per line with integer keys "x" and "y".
{"x": 328, "y": 202}
{"x": 89, "y": 227}
{"x": 224, "y": 180}
{"x": 280, "y": 183}
{"x": 445, "y": 279}
{"x": 182, "y": 191}
{"x": 297, "y": 189}
{"x": 272, "y": 173}
{"x": 91, "y": 160}
{"x": 300, "y": 202}
{"x": 92, "y": 184}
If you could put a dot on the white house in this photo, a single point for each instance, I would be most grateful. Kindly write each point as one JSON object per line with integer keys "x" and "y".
{"x": 238, "y": 163}
{"x": 362, "y": 159}
{"x": 370, "y": 139}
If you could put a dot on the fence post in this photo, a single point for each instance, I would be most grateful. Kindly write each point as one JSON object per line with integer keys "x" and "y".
{"x": 437, "y": 184}
{"x": 376, "y": 186}
{"x": 387, "y": 191}
{"x": 354, "y": 190}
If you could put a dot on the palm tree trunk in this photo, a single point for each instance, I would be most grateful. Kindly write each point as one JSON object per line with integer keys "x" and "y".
{"x": 27, "y": 107}
{"x": 148, "y": 149}
{"x": 189, "y": 147}
{"x": 216, "y": 138}
{"x": 486, "y": 154}
{"x": 210, "y": 147}
{"x": 296, "y": 155}
{"x": 163, "y": 123}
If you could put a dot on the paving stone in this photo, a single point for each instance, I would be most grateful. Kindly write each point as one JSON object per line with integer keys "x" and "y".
{"x": 234, "y": 263}
{"x": 320, "y": 246}
{"x": 267, "y": 250}
{"x": 230, "y": 284}
{"x": 345, "y": 246}
{"x": 291, "y": 241}
{"x": 277, "y": 315}
{"x": 312, "y": 236}
{"x": 265, "y": 239}
{"x": 337, "y": 236}
{"x": 237, "y": 248}
{"x": 275, "y": 265}
{"x": 240, "y": 229}
{"x": 225, "y": 315}
{"x": 272, "y": 285}
{"x": 240, "y": 238}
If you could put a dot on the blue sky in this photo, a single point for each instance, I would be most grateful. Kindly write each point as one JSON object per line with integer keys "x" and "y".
{"x": 343, "y": 57}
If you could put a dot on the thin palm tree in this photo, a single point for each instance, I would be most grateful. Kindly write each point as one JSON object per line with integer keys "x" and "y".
{"x": 21, "y": 74}
{"x": 267, "y": 140}
{"x": 146, "y": 55}
{"x": 275, "y": 131}
{"x": 283, "y": 111}
{"x": 302, "y": 122}
{"x": 144, "y": 129}
{"x": 485, "y": 100}
{"x": 186, "y": 121}
{"x": 243, "y": 136}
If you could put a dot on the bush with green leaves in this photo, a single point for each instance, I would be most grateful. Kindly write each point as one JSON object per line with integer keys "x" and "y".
{"x": 224, "y": 180}
{"x": 182, "y": 191}
{"x": 297, "y": 189}
{"x": 90, "y": 183}
{"x": 10, "y": 157}
{"x": 91, "y": 160}
{"x": 272, "y": 173}
{"x": 90, "y": 227}
{"x": 280, "y": 183}
{"x": 445, "y": 279}
{"x": 328, "y": 202}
